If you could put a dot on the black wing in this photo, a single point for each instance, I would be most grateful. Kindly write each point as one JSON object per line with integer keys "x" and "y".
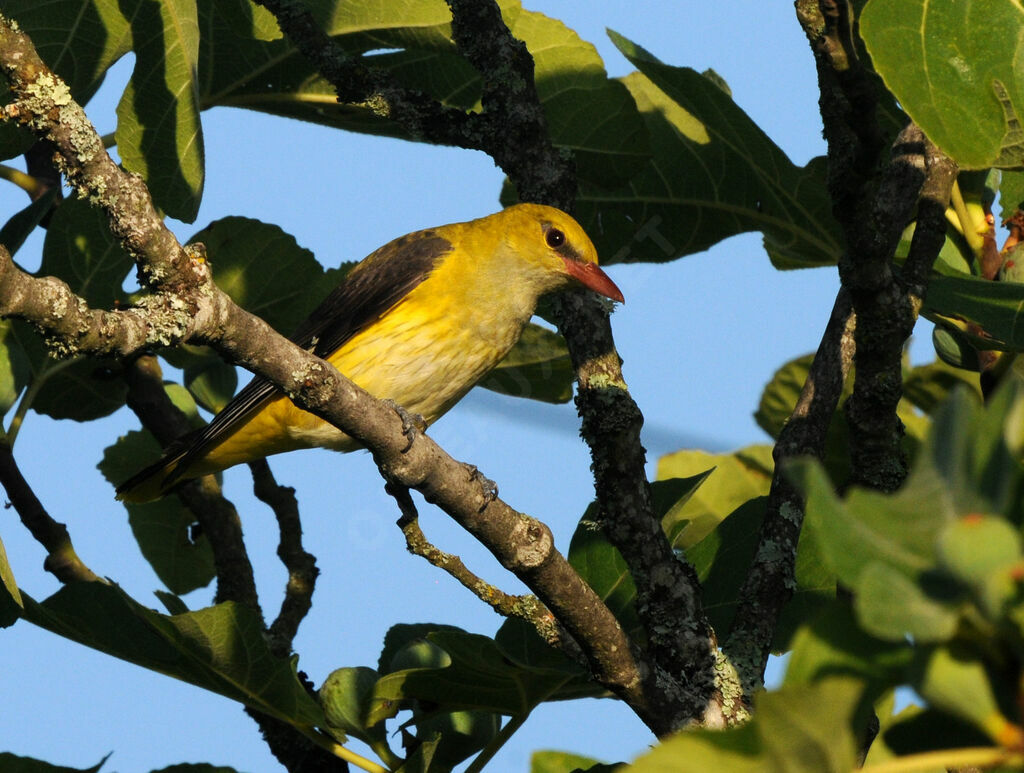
{"x": 366, "y": 293}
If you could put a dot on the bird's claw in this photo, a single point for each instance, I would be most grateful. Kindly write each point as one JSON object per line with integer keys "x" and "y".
{"x": 489, "y": 486}
{"x": 412, "y": 423}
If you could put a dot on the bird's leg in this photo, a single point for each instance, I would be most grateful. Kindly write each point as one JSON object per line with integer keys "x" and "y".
{"x": 411, "y": 422}
{"x": 489, "y": 486}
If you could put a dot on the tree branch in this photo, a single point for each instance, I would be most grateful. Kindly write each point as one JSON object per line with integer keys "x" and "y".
{"x": 301, "y": 565}
{"x": 771, "y": 577}
{"x": 885, "y": 318}
{"x": 526, "y": 608}
{"x": 207, "y": 316}
{"x": 216, "y": 515}
{"x": 512, "y": 129}
{"x": 874, "y": 314}
{"x": 61, "y": 559}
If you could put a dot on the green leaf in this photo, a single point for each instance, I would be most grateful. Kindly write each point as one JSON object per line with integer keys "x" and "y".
{"x": 973, "y": 448}
{"x": 462, "y": 671}
{"x": 11, "y": 604}
{"x": 797, "y": 729}
{"x": 159, "y": 134}
{"x": 586, "y": 112}
{"x": 162, "y": 529}
{"x": 927, "y": 386}
{"x": 993, "y": 306}
{"x": 1011, "y": 193}
{"x": 538, "y": 367}
{"x": 80, "y": 249}
{"x": 565, "y": 762}
{"x": 81, "y": 389}
{"x": 346, "y": 699}
{"x": 955, "y": 680}
{"x": 520, "y": 643}
{"x": 958, "y": 81}
{"x": 220, "y": 648}
{"x": 196, "y": 767}
{"x": 212, "y": 383}
{"x": 12, "y": 763}
{"x": 899, "y": 530}
{"x": 975, "y": 546}
{"x": 78, "y": 39}
{"x": 734, "y": 478}
{"x": 21, "y": 224}
{"x": 834, "y": 645}
{"x": 15, "y": 370}
{"x": 891, "y": 605}
{"x": 681, "y": 203}
{"x": 263, "y": 269}
{"x": 882, "y": 547}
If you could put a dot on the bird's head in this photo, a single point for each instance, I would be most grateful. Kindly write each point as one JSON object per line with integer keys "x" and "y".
{"x": 559, "y": 246}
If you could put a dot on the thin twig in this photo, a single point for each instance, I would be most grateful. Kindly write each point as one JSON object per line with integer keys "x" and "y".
{"x": 512, "y": 129}
{"x": 301, "y": 565}
{"x": 527, "y": 608}
{"x": 207, "y": 316}
{"x": 61, "y": 559}
{"x": 215, "y": 514}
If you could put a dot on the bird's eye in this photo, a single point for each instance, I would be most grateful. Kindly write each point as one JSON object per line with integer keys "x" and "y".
{"x": 554, "y": 238}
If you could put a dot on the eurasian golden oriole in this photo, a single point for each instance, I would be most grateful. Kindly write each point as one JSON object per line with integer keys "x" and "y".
{"x": 419, "y": 321}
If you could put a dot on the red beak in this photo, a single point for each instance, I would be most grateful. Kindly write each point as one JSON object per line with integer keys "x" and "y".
{"x": 590, "y": 275}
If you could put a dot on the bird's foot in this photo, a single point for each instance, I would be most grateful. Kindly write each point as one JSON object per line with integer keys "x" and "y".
{"x": 412, "y": 423}
{"x": 489, "y": 486}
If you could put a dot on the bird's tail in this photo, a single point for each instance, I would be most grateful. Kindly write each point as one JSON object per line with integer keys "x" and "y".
{"x": 154, "y": 481}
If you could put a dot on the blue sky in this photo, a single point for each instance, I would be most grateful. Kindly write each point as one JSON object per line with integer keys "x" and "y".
{"x": 699, "y": 338}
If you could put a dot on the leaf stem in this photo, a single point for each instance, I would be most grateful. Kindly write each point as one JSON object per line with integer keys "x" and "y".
{"x": 514, "y": 723}
{"x": 48, "y": 368}
{"x": 335, "y": 748}
{"x": 950, "y": 759}
{"x": 31, "y": 185}
{"x": 967, "y": 226}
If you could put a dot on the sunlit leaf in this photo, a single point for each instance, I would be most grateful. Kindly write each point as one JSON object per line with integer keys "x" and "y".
{"x": 10, "y": 597}
{"x": 159, "y": 135}
{"x": 163, "y": 528}
{"x": 797, "y": 729}
{"x": 220, "y": 648}
{"x": 961, "y": 83}
{"x": 683, "y": 202}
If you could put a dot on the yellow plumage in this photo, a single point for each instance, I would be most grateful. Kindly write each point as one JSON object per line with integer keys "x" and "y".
{"x": 419, "y": 321}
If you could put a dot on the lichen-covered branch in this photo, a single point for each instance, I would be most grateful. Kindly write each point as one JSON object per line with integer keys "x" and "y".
{"x": 770, "y": 579}
{"x": 873, "y": 316}
{"x": 527, "y": 608}
{"x": 522, "y": 544}
{"x": 512, "y": 130}
{"x": 885, "y": 319}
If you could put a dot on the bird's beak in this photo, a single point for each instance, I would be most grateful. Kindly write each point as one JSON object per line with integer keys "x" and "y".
{"x": 590, "y": 275}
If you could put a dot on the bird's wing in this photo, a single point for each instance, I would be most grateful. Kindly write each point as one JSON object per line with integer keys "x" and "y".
{"x": 368, "y": 292}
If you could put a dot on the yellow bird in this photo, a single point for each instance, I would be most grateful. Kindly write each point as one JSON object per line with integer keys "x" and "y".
{"x": 419, "y": 321}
